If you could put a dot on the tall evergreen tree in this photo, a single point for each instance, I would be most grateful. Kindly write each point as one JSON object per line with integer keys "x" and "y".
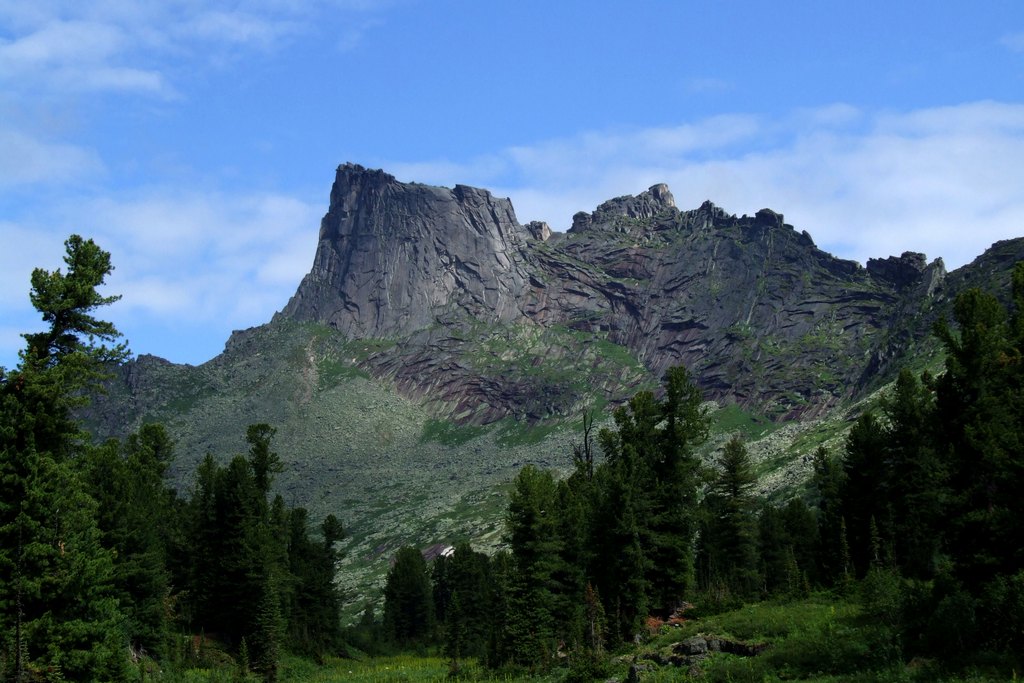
{"x": 532, "y": 534}
{"x": 58, "y": 609}
{"x": 314, "y": 599}
{"x": 729, "y": 539}
{"x": 979, "y": 401}
{"x": 917, "y": 478}
{"x": 827, "y": 486}
{"x": 408, "y": 603}
{"x": 135, "y": 514}
{"x": 673, "y": 518}
{"x": 265, "y": 463}
{"x": 867, "y": 488}
{"x": 648, "y": 513}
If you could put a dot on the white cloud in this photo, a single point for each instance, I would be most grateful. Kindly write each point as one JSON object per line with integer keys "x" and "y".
{"x": 35, "y": 248}
{"x": 61, "y": 42}
{"x": 943, "y": 180}
{"x": 25, "y": 160}
{"x": 118, "y": 46}
{"x": 206, "y": 251}
{"x": 183, "y": 259}
{"x": 237, "y": 27}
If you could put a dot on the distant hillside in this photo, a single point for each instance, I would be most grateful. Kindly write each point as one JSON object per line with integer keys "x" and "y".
{"x": 437, "y": 345}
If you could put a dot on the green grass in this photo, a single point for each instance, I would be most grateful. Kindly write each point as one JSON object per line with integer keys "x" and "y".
{"x": 514, "y": 433}
{"x": 731, "y": 418}
{"x": 447, "y": 433}
{"x": 332, "y": 371}
{"x": 822, "y": 637}
{"x": 396, "y": 669}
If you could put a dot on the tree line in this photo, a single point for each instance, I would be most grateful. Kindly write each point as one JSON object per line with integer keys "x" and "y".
{"x": 920, "y": 514}
{"x": 101, "y": 561}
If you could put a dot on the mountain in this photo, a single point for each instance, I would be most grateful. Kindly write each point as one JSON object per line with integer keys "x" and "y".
{"x": 437, "y": 345}
{"x": 479, "y": 306}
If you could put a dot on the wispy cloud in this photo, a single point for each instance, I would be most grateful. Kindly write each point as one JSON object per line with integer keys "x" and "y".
{"x": 708, "y": 85}
{"x": 214, "y": 255}
{"x": 942, "y": 180}
{"x": 1013, "y": 41}
{"x": 183, "y": 259}
{"x": 25, "y": 159}
{"x": 113, "y": 46}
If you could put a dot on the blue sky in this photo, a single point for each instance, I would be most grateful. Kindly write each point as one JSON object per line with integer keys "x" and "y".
{"x": 197, "y": 140}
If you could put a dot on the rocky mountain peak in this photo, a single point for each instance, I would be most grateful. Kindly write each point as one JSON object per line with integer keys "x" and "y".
{"x": 906, "y": 269}
{"x": 625, "y": 213}
{"x": 393, "y": 255}
{"x": 485, "y": 318}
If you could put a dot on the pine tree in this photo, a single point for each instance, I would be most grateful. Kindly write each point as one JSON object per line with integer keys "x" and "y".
{"x": 827, "y": 485}
{"x": 979, "y": 401}
{"x": 455, "y": 641}
{"x": 867, "y": 487}
{"x": 498, "y": 597}
{"x": 672, "y": 524}
{"x": 775, "y": 550}
{"x": 646, "y": 520}
{"x": 313, "y": 598}
{"x": 56, "y": 579}
{"x": 532, "y": 534}
{"x": 408, "y": 603}
{"x": 265, "y": 463}
{"x": 619, "y": 566}
{"x": 917, "y": 475}
{"x": 729, "y": 538}
{"x": 467, "y": 575}
{"x": 801, "y": 530}
{"x": 135, "y": 516}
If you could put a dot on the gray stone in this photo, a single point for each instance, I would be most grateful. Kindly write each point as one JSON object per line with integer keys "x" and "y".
{"x": 468, "y": 296}
{"x": 752, "y": 307}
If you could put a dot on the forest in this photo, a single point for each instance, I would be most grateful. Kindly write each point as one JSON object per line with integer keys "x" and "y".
{"x": 910, "y": 538}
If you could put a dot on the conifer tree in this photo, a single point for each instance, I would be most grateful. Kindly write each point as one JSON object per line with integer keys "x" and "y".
{"x": 917, "y": 475}
{"x": 532, "y": 533}
{"x": 827, "y": 486}
{"x": 498, "y": 597}
{"x": 408, "y": 604}
{"x": 672, "y": 525}
{"x": 774, "y": 548}
{"x": 468, "y": 576}
{"x": 979, "y": 401}
{"x": 135, "y": 515}
{"x": 867, "y": 487}
{"x": 619, "y": 569}
{"x": 647, "y": 515}
{"x": 313, "y": 598}
{"x": 58, "y": 609}
{"x": 729, "y": 538}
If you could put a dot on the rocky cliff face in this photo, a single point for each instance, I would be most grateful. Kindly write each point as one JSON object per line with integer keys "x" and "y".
{"x": 429, "y": 312}
{"x": 393, "y": 257}
{"x": 444, "y": 296}
{"x": 485, "y": 315}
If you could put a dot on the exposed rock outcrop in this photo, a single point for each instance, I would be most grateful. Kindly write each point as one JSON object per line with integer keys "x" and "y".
{"x": 482, "y": 318}
{"x": 393, "y": 256}
{"x": 759, "y": 313}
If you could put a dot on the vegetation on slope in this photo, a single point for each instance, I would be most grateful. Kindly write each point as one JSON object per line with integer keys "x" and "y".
{"x": 914, "y": 526}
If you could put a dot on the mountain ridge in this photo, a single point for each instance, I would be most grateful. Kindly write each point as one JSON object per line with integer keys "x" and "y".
{"x": 718, "y": 293}
{"x": 409, "y": 436}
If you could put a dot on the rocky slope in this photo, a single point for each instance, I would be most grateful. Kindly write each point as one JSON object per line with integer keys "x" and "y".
{"x": 437, "y": 345}
{"x": 477, "y": 307}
